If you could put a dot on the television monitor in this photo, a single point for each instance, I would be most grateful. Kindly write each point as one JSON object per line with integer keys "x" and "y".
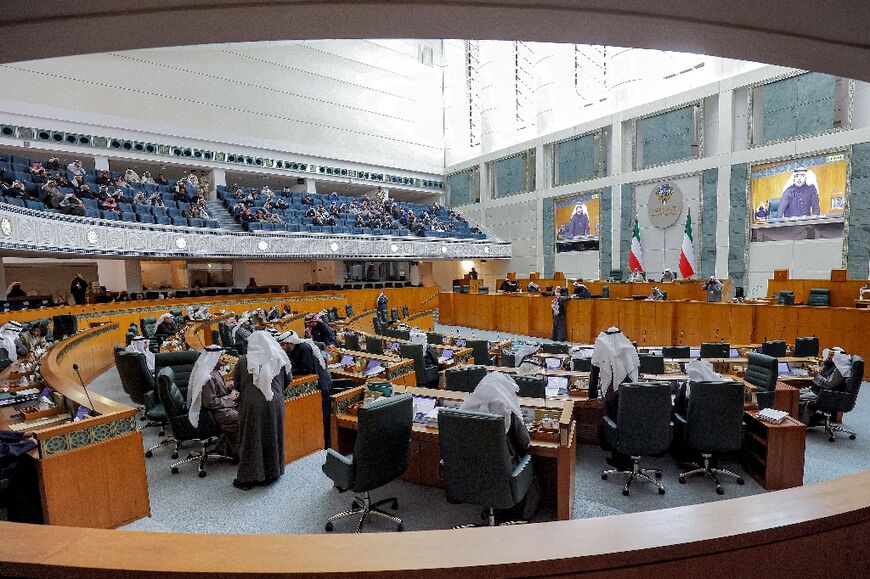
{"x": 373, "y": 364}
{"x": 423, "y": 405}
{"x": 694, "y": 352}
{"x": 447, "y": 353}
{"x": 460, "y": 342}
{"x": 553, "y": 363}
{"x": 654, "y": 351}
{"x": 733, "y": 353}
{"x": 783, "y": 368}
{"x": 395, "y": 346}
{"x": 347, "y": 360}
{"x": 82, "y": 412}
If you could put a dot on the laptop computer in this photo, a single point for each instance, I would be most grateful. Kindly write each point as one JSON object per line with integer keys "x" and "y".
{"x": 446, "y": 355}
{"x": 783, "y": 368}
{"x": 346, "y": 360}
{"x": 694, "y": 353}
{"x": 733, "y": 353}
{"x": 423, "y": 405}
{"x": 553, "y": 363}
{"x": 460, "y": 342}
{"x": 372, "y": 368}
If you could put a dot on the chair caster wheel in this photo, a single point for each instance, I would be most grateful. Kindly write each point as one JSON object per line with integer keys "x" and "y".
{"x": 658, "y": 475}
{"x": 740, "y": 481}
{"x": 395, "y": 505}
{"x": 400, "y": 528}
{"x": 149, "y": 454}
{"x": 174, "y": 470}
{"x": 720, "y": 491}
{"x": 851, "y": 437}
{"x": 661, "y": 491}
{"x": 682, "y": 480}
{"x": 625, "y": 492}
{"x": 175, "y": 454}
{"x": 328, "y": 527}
{"x": 202, "y": 474}
{"x": 603, "y": 476}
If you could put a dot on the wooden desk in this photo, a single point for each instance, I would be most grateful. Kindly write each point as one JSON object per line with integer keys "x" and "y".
{"x": 773, "y": 454}
{"x": 397, "y": 370}
{"x": 555, "y": 463}
{"x": 303, "y": 417}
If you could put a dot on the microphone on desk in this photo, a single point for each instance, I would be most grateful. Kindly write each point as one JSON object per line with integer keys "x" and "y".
{"x": 76, "y": 368}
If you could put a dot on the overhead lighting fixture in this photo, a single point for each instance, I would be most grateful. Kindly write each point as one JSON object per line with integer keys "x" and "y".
{"x": 333, "y": 246}
{"x": 263, "y": 245}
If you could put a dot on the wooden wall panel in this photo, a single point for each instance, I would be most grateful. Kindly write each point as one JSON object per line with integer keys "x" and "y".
{"x": 303, "y": 426}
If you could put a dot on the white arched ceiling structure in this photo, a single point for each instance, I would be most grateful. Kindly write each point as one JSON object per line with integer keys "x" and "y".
{"x": 824, "y": 36}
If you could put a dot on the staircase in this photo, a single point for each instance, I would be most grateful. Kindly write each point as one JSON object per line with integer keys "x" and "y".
{"x": 217, "y": 211}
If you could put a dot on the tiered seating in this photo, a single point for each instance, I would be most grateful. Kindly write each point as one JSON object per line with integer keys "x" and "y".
{"x": 296, "y": 220}
{"x": 15, "y": 167}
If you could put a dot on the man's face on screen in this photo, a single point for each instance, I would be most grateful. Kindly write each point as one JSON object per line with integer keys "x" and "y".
{"x": 800, "y": 179}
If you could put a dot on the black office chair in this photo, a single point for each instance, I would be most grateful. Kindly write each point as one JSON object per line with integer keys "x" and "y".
{"x": 581, "y": 364}
{"x": 715, "y": 350}
{"x": 531, "y": 386}
{"x": 5, "y": 362}
{"x": 434, "y": 338}
{"x": 819, "y": 297}
{"x": 651, "y": 364}
{"x": 785, "y": 298}
{"x": 138, "y": 382}
{"x": 426, "y": 375}
{"x": 616, "y": 274}
{"x": 206, "y": 434}
{"x": 380, "y": 455}
{"x": 405, "y": 311}
{"x": 464, "y": 378}
{"x": 681, "y": 352}
{"x": 643, "y": 427}
{"x": 832, "y": 401}
{"x": 229, "y": 344}
{"x": 554, "y": 348}
{"x": 476, "y": 464}
{"x": 351, "y": 341}
{"x": 775, "y": 348}
{"x": 64, "y": 326}
{"x": 402, "y": 335}
{"x": 181, "y": 364}
{"x": 480, "y": 352}
{"x": 713, "y": 424}
{"x": 507, "y": 358}
{"x": 762, "y": 372}
{"x": 806, "y": 347}
{"x": 394, "y": 314}
{"x": 374, "y": 345}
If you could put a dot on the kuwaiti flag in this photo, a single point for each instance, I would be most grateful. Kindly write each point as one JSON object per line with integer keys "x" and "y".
{"x": 635, "y": 257}
{"x": 687, "y": 251}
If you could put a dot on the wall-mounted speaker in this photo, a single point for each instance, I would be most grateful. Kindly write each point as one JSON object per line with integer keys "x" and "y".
{"x": 42, "y": 135}
{"x": 7, "y": 130}
{"x": 208, "y": 155}
{"x": 84, "y": 140}
{"x": 197, "y": 154}
{"x": 258, "y": 161}
{"x": 231, "y": 159}
{"x": 138, "y": 147}
{"x": 150, "y": 148}
{"x": 127, "y": 145}
{"x": 57, "y": 136}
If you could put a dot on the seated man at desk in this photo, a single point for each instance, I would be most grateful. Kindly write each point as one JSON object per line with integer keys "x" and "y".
{"x": 581, "y": 291}
{"x": 696, "y": 371}
{"x": 319, "y": 331}
{"x": 497, "y": 394}
{"x": 207, "y": 389}
{"x": 636, "y": 276}
{"x": 509, "y": 286}
{"x": 306, "y": 358}
{"x": 166, "y": 326}
{"x": 667, "y": 276}
{"x": 533, "y": 286}
{"x": 31, "y": 340}
{"x": 713, "y": 287}
{"x": 9, "y": 335}
{"x": 836, "y": 369}
{"x": 656, "y": 295}
{"x": 614, "y": 361}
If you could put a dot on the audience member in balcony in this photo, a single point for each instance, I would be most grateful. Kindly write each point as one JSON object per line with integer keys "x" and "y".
{"x": 147, "y": 179}
{"x": 161, "y": 180}
{"x": 203, "y": 186}
{"x": 286, "y": 311}
{"x": 17, "y": 190}
{"x": 307, "y": 200}
{"x": 110, "y": 204}
{"x": 280, "y": 203}
{"x": 285, "y": 192}
{"x": 104, "y": 178}
{"x": 131, "y": 176}
{"x": 77, "y": 182}
{"x": 180, "y": 193}
{"x": 155, "y": 199}
{"x": 121, "y": 183}
{"x": 140, "y": 199}
{"x": 36, "y": 168}
{"x": 75, "y": 169}
{"x": 266, "y": 192}
{"x": 53, "y": 164}
{"x": 72, "y": 205}
{"x": 51, "y": 194}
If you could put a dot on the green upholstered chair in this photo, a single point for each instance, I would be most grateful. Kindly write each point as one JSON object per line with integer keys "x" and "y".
{"x": 713, "y": 424}
{"x": 351, "y": 341}
{"x": 348, "y": 310}
{"x": 426, "y": 375}
{"x": 205, "y": 434}
{"x": 405, "y": 311}
{"x": 374, "y": 345}
{"x": 804, "y": 347}
{"x": 394, "y": 314}
{"x": 830, "y": 402}
{"x": 482, "y": 289}
{"x": 464, "y": 378}
{"x": 480, "y": 352}
{"x": 643, "y": 427}
{"x": 715, "y": 350}
{"x": 138, "y": 382}
{"x": 181, "y": 364}
{"x": 819, "y": 297}
{"x": 380, "y": 455}
{"x": 680, "y": 352}
{"x": 651, "y": 364}
{"x": 775, "y": 348}
{"x": 434, "y": 338}
{"x": 531, "y": 386}
{"x": 762, "y": 372}
{"x": 477, "y": 467}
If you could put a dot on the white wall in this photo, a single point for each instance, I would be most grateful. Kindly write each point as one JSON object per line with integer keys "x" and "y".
{"x": 582, "y": 264}
{"x": 661, "y": 247}
{"x": 805, "y": 259}
{"x": 365, "y": 101}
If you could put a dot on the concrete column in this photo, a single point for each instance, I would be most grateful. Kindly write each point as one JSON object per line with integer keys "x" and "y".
{"x": 617, "y": 146}
{"x": 133, "y": 273}
{"x": 415, "y": 273}
{"x": 2, "y": 280}
{"x": 217, "y": 177}
{"x": 310, "y": 186}
{"x": 101, "y": 163}
{"x": 112, "y": 274}
{"x": 485, "y": 192}
{"x": 240, "y": 274}
{"x": 723, "y": 183}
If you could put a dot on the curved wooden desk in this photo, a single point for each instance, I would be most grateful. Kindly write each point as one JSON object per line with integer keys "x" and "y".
{"x": 773, "y": 535}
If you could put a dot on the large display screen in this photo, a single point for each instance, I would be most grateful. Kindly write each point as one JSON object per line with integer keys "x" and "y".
{"x": 799, "y": 191}
{"x": 577, "y": 221}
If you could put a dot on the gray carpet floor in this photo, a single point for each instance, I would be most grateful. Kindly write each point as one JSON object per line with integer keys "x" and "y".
{"x": 302, "y": 500}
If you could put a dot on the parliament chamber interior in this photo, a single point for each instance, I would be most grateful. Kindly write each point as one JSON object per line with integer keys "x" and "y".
{"x": 327, "y": 288}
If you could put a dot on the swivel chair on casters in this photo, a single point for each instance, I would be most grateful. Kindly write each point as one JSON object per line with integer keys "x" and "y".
{"x": 831, "y": 402}
{"x": 380, "y": 455}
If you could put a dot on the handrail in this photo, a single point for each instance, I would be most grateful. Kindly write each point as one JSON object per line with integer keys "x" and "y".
{"x": 770, "y": 532}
